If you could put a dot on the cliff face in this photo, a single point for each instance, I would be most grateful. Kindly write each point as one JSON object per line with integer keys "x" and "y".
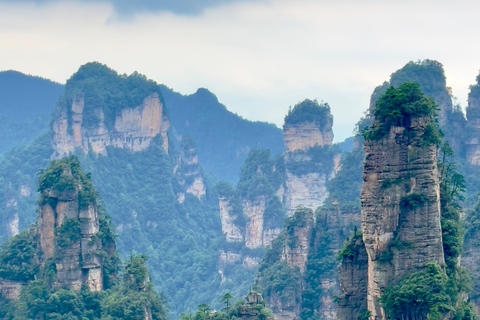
{"x": 353, "y": 275}
{"x": 305, "y": 135}
{"x": 298, "y": 237}
{"x": 310, "y": 160}
{"x": 399, "y": 239}
{"x": 188, "y": 171}
{"x": 227, "y": 216}
{"x": 473, "y": 116}
{"x": 134, "y": 128}
{"x": 68, "y": 230}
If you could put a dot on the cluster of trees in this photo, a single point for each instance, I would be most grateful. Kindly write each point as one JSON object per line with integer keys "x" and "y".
{"x": 309, "y": 111}
{"x": 130, "y": 298}
{"x": 241, "y": 309}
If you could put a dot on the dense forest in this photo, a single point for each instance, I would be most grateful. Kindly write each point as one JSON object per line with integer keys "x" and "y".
{"x": 205, "y": 222}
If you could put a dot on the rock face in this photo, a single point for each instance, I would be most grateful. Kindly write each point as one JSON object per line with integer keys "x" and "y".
{"x": 188, "y": 171}
{"x": 473, "y": 115}
{"x": 10, "y": 290}
{"x": 305, "y": 135}
{"x": 67, "y": 236}
{"x": 400, "y": 208}
{"x": 309, "y": 190}
{"x": 309, "y": 159}
{"x": 134, "y": 128}
{"x": 353, "y": 275}
{"x": 298, "y": 238}
{"x": 232, "y": 232}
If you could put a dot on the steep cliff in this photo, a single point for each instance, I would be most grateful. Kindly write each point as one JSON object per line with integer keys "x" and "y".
{"x": 430, "y": 76}
{"x": 401, "y": 192}
{"x": 310, "y": 159}
{"x": 188, "y": 171}
{"x": 353, "y": 275}
{"x": 473, "y": 115}
{"x": 251, "y": 215}
{"x": 69, "y": 233}
{"x": 102, "y": 109}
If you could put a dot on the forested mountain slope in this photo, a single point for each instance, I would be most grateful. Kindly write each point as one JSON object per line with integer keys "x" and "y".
{"x": 26, "y": 104}
{"x": 223, "y": 138}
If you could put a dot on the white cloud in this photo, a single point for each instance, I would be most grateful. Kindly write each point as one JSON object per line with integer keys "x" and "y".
{"x": 258, "y": 58}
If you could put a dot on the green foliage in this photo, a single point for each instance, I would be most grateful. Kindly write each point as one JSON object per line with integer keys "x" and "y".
{"x": 420, "y": 295}
{"x": 182, "y": 241}
{"x": 345, "y": 186}
{"x": 281, "y": 280}
{"x": 66, "y": 175}
{"x": 68, "y": 233}
{"x": 102, "y": 88}
{"x": 17, "y": 257}
{"x": 274, "y": 213}
{"x": 135, "y": 295}
{"x": 223, "y": 138}
{"x": 349, "y": 248}
{"x": 321, "y": 264}
{"x": 18, "y": 181}
{"x": 27, "y": 103}
{"x": 260, "y": 175}
{"x": 316, "y": 159}
{"x": 124, "y": 301}
{"x": 397, "y": 107}
{"x": 428, "y": 74}
{"x": 224, "y": 189}
{"x": 309, "y": 111}
{"x": 413, "y": 201}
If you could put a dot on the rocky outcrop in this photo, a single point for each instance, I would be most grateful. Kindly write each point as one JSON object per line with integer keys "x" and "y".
{"x": 227, "y": 217}
{"x": 303, "y": 136}
{"x": 188, "y": 171}
{"x": 298, "y": 236}
{"x": 67, "y": 235}
{"x": 309, "y": 190}
{"x": 400, "y": 208}
{"x": 473, "y": 115}
{"x": 309, "y": 157}
{"x": 254, "y": 211}
{"x": 133, "y": 129}
{"x": 10, "y": 290}
{"x": 353, "y": 275}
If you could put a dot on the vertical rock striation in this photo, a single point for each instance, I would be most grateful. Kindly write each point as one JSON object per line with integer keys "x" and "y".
{"x": 68, "y": 227}
{"x": 400, "y": 196}
{"x": 309, "y": 156}
{"x": 188, "y": 171}
{"x": 133, "y": 129}
{"x": 473, "y": 116}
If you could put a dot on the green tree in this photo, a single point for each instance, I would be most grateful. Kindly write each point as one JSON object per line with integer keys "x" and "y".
{"x": 226, "y": 299}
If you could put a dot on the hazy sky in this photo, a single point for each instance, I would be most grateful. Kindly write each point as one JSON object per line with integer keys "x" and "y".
{"x": 259, "y": 57}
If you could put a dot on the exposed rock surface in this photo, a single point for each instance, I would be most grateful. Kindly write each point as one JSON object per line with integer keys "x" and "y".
{"x": 254, "y": 211}
{"x": 309, "y": 190}
{"x": 353, "y": 275}
{"x": 229, "y": 228}
{"x": 134, "y": 128}
{"x": 305, "y": 182}
{"x": 473, "y": 115}
{"x": 298, "y": 238}
{"x": 305, "y": 135}
{"x": 399, "y": 239}
{"x": 188, "y": 171}
{"x": 76, "y": 256}
{"x": 10, "y": 290}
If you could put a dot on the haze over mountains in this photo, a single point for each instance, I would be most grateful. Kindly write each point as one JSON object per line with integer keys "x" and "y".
{"x": 219, "y": 203}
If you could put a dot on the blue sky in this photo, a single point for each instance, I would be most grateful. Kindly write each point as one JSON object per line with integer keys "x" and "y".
{"x": 258, "y": 57}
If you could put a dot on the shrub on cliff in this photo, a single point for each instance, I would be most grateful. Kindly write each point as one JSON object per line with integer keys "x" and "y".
{"x": 309, "y": 111}
{"x": 397, "y": 107}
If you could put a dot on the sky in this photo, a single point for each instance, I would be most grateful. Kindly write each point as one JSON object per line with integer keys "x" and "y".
{"x": 259, "y": 57}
